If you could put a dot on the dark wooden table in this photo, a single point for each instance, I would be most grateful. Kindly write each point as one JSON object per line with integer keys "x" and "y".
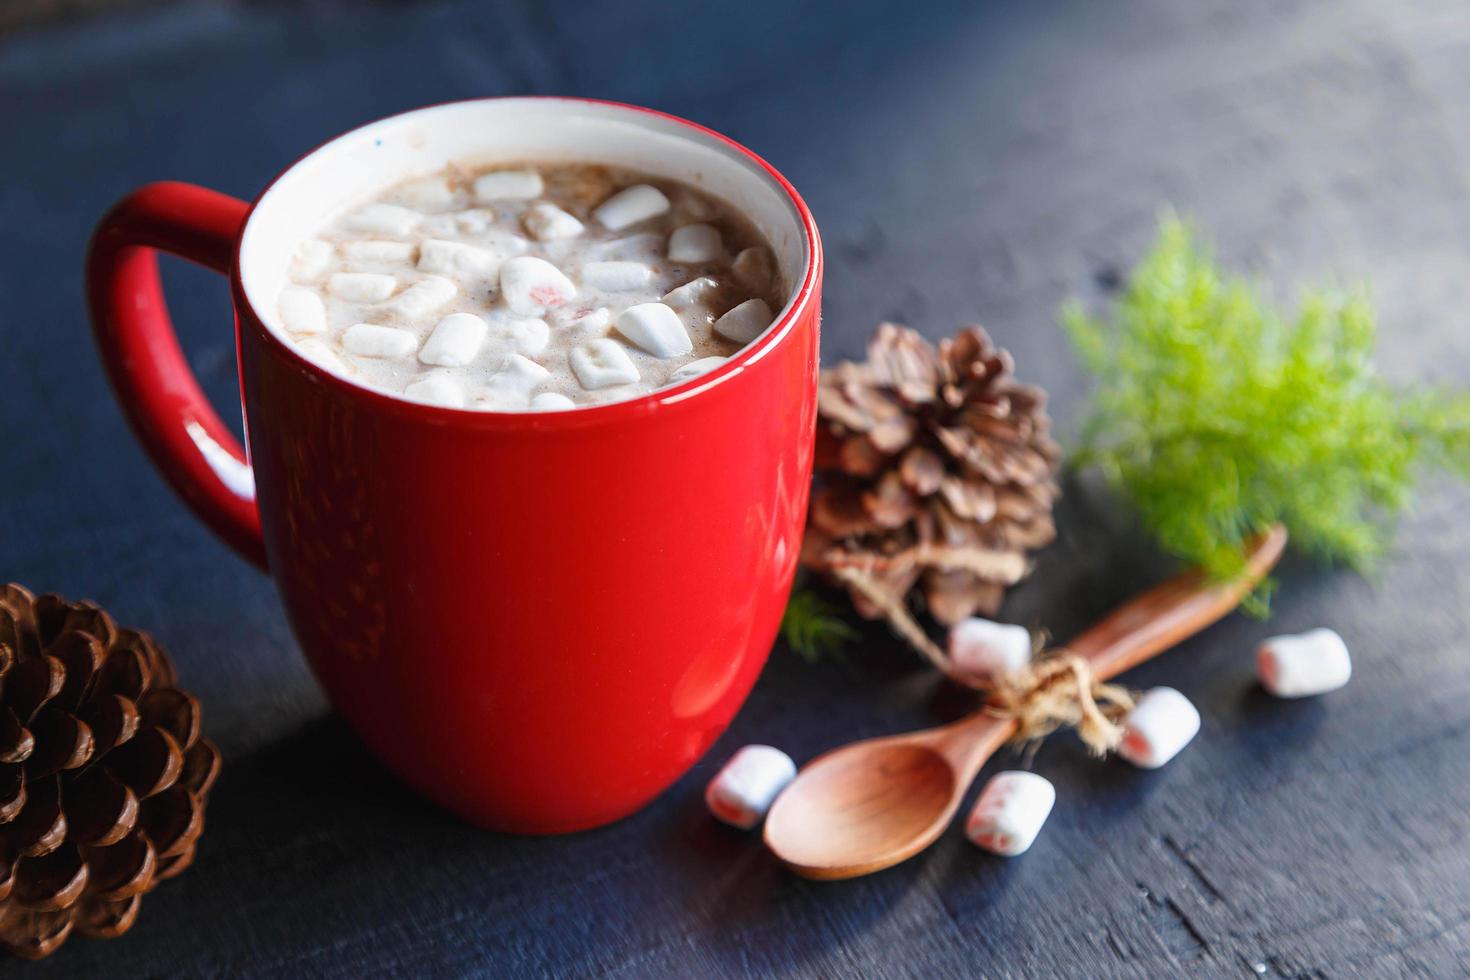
{"x": 983, "y": 161}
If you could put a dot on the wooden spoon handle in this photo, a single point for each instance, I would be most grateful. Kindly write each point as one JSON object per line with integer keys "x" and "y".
{"x": 1137, "y": 630}
{"x": 1174, "y": 611}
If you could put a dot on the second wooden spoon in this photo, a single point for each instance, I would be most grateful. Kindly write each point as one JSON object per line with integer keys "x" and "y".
{"x": 869, "y": 805}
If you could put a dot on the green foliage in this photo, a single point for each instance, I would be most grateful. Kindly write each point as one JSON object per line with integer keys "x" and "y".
{"x": 812, "y": 628}
{"x": 1216, "y": 416}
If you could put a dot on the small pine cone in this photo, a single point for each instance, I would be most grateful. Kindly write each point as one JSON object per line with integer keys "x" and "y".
{"x": 103, "y": 773}
{"x": 934, "y": 471}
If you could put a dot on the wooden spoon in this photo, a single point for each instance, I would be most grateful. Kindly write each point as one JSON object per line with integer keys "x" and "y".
{"x": 869, "y": 805}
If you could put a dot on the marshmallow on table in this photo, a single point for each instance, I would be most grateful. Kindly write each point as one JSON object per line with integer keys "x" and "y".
{"x": 695, "y": 243}
{"x": 508, "y": 185}
{"x": 436, "y": 389}
{"x": 695, "y": 368}
{"x": 630, "y": 206}
{"x": 742, "y": 792}
{"x": 425, "y": 296}
{"x": 362, "y": 287}
{"x": 752, "y": 269}
{"x": 1160, "y": 724}
{"x": 376, "y": 340}
{"x": 302, "y": 311}
{"x": 552, "y": 401}
{"x": 602, "y": 363}
{"x": 615, "y": 277}
{"x": 1300, "y": 666}
{"x": 981, "y": 648}
{"x": 692, "y": 293}
{"x": 1010, "y": 811}
{"x": 455, "y": 341}
{"x": 531, "y": 286}
{"x": 528, "y": 335}
{"x": 547, "y": 222}
{"x": 745, "y": 322}
{"x": 311, "y": 259}
{"x": 383, "y": 219}
{"x": 457, "y": 259}
{"x": 655, "y": 328}
{"x": 377, "y": 250}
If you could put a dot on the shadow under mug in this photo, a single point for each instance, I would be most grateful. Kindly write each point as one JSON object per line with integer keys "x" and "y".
{"x": 538, "y": 620}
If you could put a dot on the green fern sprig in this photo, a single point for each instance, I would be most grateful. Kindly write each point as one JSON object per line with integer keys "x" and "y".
{"x": 1216, "y": 416}
{"x": 812, "y": 628}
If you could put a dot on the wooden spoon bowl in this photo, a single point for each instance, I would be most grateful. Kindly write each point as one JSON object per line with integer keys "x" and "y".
{"x": 869, "y": 805}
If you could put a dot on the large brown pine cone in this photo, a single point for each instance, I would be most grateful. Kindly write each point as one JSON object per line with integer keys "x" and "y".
{"x": 103, "y": 773}
{"x": 934, "y": 470}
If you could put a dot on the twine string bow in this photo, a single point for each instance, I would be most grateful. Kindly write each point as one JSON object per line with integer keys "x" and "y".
{"x": 1056, "y": 690}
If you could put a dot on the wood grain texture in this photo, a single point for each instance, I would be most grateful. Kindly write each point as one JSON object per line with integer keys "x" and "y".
{"x": 965, "y": 161}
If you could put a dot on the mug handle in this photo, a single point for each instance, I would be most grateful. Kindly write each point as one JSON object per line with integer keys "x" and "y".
{"x": 135, "y": 337}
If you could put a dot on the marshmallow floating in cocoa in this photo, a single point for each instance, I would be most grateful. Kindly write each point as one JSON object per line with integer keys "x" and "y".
{"x": 508, "y": 185}
{"x": 745, "y": 322}
{"x": 518, "y": 374}
{"x": 655, "y": 328}
{"x": 742, "y": 792}
{"x": 528, "y": 335}
{"x": 311, "y": 259}
{"x": 695, "y": 368}
{"x": 319, "y": 353}
{"x": 1010, "y": 812}
{"x": 376, "y": 251}
{"x": 1300, "y": 666}
{"x": 425, "y": 296}
{"x": 696, "y": 244}
{"x": 593, "y": 323}
{"x": 436, "y": 389}
{"x": 383, "y": 219}
{"x": 425, "y": 194}
{"x": 362, "y": 287}
{"x": 615, "y": 277}
{"x": 552, "y": 401}
{"x": 630, "y": 206}
{"x": 448, "y": 258}
{"x": 376, "y": 340}
{"x": 602, "y": 363}
{"x": 455, "y": 341}
{"x": 692, "y": 293}
{"x": 548, "y": 223}
{"x": 302, "y": 311}
{"x": 753, "y": 269}
{"x": 531, "y": 286}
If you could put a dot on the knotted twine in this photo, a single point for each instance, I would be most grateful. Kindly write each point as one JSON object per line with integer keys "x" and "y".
{"x": 1058, "y": 690}
{"x": 1055, "y": 690}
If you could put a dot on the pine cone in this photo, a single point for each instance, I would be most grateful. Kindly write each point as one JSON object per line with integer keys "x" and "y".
{"x": 103, "y": 773}
{"x": 935, "y": 469}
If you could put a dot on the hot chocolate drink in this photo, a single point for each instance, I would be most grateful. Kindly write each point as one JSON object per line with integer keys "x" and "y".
{"x": 532, "y": 287}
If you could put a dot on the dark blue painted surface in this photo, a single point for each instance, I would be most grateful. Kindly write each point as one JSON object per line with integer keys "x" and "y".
{"x": 964, "y": 161}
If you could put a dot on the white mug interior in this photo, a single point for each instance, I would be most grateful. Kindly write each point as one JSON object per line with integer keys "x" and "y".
{"x": 357, "y": 166}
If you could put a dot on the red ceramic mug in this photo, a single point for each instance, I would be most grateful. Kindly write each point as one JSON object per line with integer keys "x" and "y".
{"x": 538, "y": 620}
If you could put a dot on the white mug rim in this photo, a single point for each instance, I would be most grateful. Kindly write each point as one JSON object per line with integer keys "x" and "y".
{"x": 802, "y": 293}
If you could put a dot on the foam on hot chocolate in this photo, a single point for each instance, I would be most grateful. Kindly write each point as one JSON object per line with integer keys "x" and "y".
{"x": 530, "y": 287}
